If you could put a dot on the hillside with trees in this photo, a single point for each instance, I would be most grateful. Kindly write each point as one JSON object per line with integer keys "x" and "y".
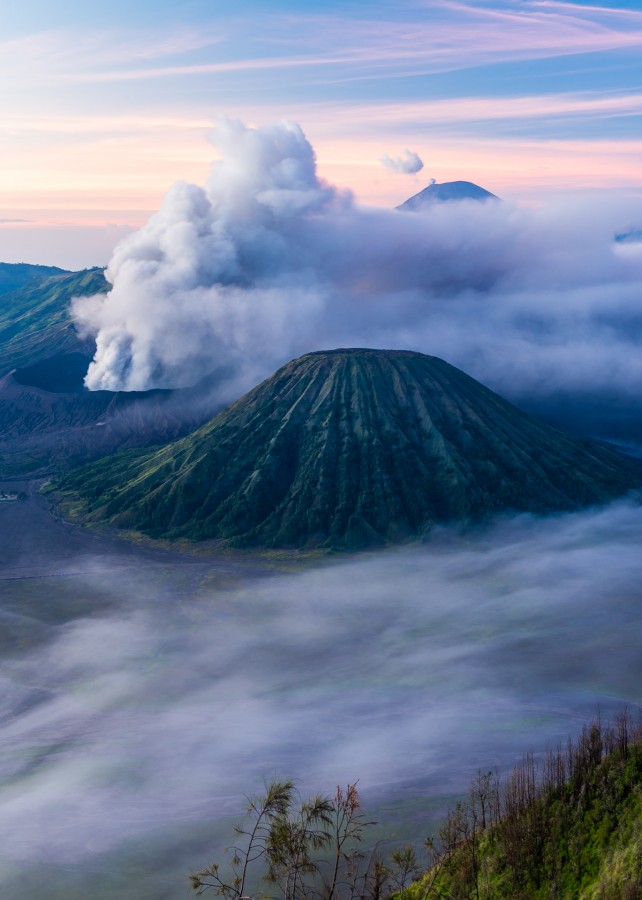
{"x": 566, "y": 826}
{"x": 569, "y": 826}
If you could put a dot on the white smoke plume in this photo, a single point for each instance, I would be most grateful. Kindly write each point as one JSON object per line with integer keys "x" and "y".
{"x": 409, "y": 163}
{"x": 267, "y": 262}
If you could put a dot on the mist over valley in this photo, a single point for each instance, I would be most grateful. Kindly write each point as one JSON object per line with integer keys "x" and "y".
{"x": 147, "y": 690}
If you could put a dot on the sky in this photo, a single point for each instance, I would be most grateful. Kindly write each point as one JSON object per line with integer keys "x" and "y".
{"x": 108, "y": 105}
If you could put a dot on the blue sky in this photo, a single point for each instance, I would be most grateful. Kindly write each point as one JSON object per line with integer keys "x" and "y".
{"x": 109, "y": 104}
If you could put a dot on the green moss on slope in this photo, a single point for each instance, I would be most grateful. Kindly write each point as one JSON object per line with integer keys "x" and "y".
{"x": 347, "y": 449}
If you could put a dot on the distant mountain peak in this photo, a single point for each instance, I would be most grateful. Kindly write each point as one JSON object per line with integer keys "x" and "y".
{"x": 447, "y": 192}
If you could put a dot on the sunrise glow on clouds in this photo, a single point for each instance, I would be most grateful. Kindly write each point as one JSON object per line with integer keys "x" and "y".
{"x": 106, "y": 110}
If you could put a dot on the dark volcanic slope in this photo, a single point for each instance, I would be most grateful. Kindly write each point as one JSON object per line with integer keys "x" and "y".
{"x": 50, "y": 423}
{"x": 349, "y": 448}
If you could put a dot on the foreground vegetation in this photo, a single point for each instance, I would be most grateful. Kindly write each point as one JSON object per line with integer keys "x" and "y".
{"x": 306, "y": 848}
{"x": 568, "y": 826}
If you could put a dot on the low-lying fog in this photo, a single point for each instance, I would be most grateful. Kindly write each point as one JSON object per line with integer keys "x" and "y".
{"x": 144, "y": 702}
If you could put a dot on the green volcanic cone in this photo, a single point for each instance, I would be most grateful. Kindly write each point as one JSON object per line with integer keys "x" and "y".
{"x": 351, "y": 448}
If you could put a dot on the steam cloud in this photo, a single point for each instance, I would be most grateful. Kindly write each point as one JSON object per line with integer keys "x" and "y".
{"x": 409, "y": 163}
{"x": 267, "y": 262}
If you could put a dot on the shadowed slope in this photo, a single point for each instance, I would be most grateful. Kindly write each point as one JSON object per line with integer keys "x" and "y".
{"x": 49, "y": 423}
{"x": 350, "y": 448}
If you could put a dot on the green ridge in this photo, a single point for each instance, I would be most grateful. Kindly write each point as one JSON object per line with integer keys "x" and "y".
{"x": 35, "y": 318}
{"x": 17, "y": 275}
{"x": 347, "y": 449}
{"x": 571, "y": 830}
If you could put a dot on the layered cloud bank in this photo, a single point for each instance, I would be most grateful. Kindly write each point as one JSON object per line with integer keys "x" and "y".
{"x": 266, "y": 262}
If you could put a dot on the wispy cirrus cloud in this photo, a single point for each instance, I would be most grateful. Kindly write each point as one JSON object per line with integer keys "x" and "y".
{"x": 433, "y": 37}
{"x": 65, "y": 53}
{"x": 469, "y": 110}
{"x": 338, "y": 118}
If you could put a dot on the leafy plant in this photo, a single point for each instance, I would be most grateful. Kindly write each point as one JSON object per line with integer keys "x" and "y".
{"x": 300, "y": 848}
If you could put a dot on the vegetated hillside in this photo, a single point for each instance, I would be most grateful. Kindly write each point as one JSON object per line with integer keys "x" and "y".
{"x": 35, "y": 319}
{"x": 49, "y": 422}
{"x": 346, "y": 449}
{"x": 568, "y": 828}
{"x": 17, "y": 275}
{"x": 446, "y": 192}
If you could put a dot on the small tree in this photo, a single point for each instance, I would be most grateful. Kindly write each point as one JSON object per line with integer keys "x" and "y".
{"x": 265, "y": 811}
{"x": 405, "y": 866}
{"x": 293, "y": 845}
{"x": 348, "y": 825}
{"x": 303, "y": 848}
{"x": 376, "y": 881}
